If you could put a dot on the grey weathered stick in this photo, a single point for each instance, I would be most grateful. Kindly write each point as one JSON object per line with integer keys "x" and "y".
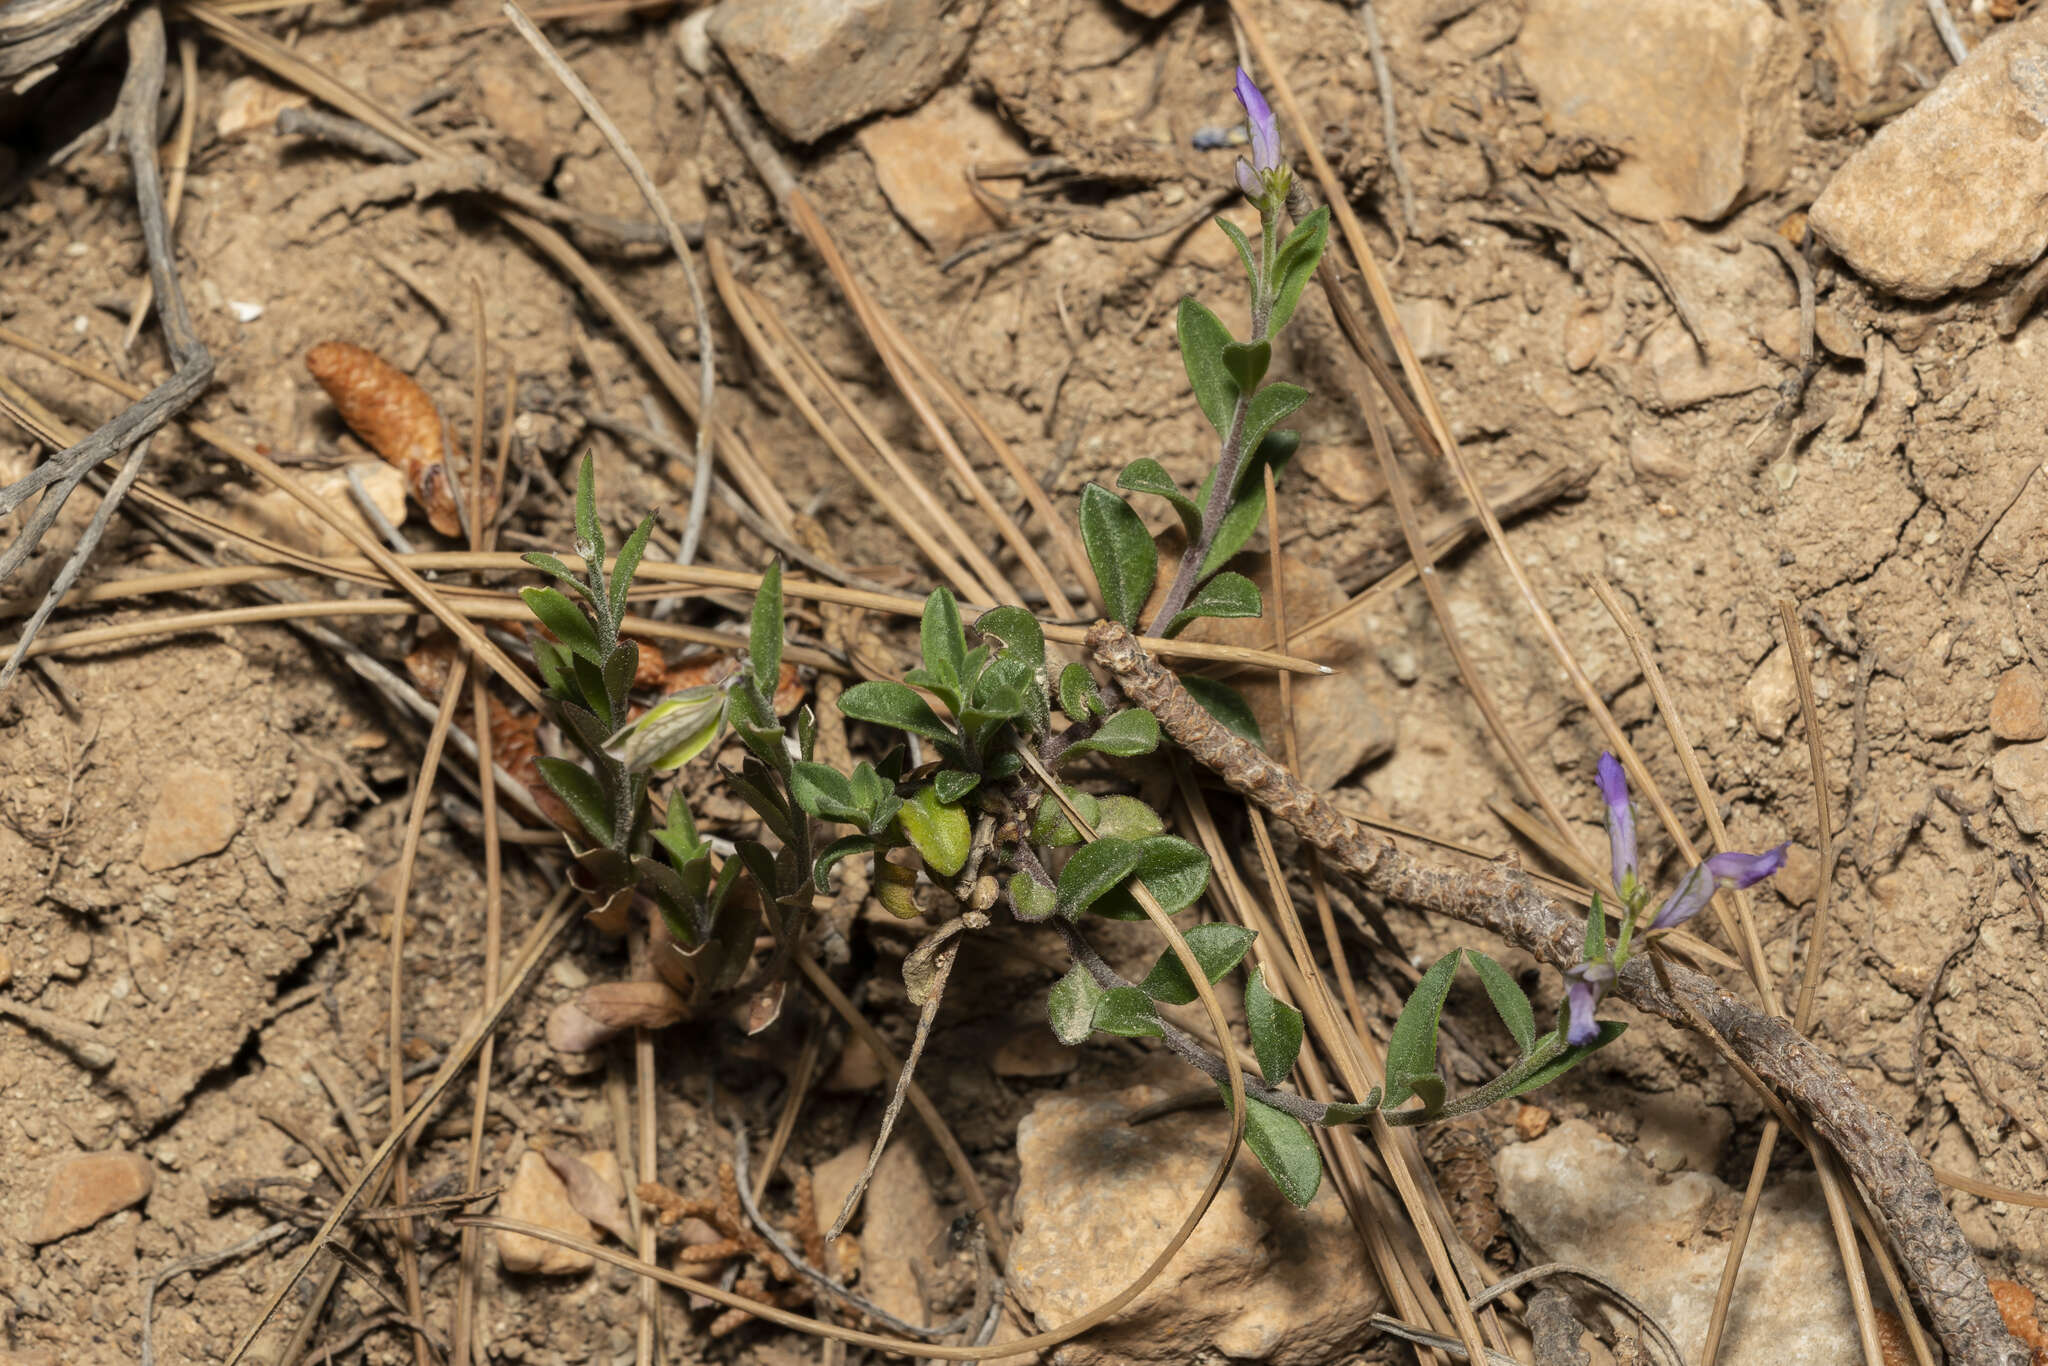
{"x": 1899, "y": 1187}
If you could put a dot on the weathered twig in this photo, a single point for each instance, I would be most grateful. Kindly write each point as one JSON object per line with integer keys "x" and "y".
{"x": 1899, "y": 1187}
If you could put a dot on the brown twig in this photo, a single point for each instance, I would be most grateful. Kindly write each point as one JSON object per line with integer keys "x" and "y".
{"x": 1902, "y": 1192}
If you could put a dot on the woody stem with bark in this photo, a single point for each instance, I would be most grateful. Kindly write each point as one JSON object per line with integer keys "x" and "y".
{"x": 1899, "y": 1187}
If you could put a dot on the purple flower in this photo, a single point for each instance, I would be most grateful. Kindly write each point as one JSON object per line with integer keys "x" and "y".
{"x": 1722, "y": 870}
{"x": 1248, "y": 180}
{"x": 1587, "y": 983}
{"x": 1265, "y": 129}
{"x": 1621, "y": 822}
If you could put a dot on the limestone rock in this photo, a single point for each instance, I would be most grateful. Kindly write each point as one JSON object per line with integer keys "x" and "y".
{"x": 1258, "y": 1281}
{"x": 250, "y": 104}
{"x": 1033, "y": 1052}
{"x": 1585, "y": 332}
{"x": 1955, "y": 189}
{"x": 1866, "y": 38}
{"x": 817, "y": 65}
{"x": 1342, "y": 718}
{"x": 1428, "y": 323}
{"x": 277, "y": 515}
{"x": 1350, "y": 473}
{"x": 2019, "y": 709}
{"x": 1673, "y": 375}
{"x": 1771, "y": 697}
{"x": 2020, "y": 773}
{"x": 1699, "y": 98}
{"x": 194, "y": 816}
{"x": 1580, "y": 1197}
{"x": 535, "y": 1195}
{"x": 899, "y": 1220}
{"x": 921, "y": 161}
{"x": 87, "y": 1188}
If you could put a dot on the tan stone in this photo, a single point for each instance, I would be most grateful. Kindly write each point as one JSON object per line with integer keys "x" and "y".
{"x": 1259, "y": 1280}
{"x": 1798, "y": 882}
{"x": 1680, "y": 377}
{"x": 921, "y": 161}
{"x": 1866, "y": 38}
{"x": 2020, "y": 772}
{"x": 250, "y": 104}
{"x": 194, "y": 816}
{"x": 1350, "y": 473}
{"x": 535, "y": 1195}
{"x": 1771, "y": 697}
{"x": 514, "y": 106}
{"x": 899, "y": 1220}
{"x": 1700, "y": 98}
{"x": 1033, "y": 1052}
{"x": 1585, "y": 332}
{"x": 1955, "y": 189}
{"x": 278, "y": 516}
{"x": 87, "y": 1188}
{"x": 2019, "y": 709}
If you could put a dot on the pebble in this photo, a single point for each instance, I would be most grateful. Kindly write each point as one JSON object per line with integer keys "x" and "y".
{"x": 899, "y": 1220}
{"x": 1866, "y": 38}
{"x": 1033, "y": 1052}
{"x": 921, "y": 161}
{"x": 1350, "y": 473}
{"x": 250, "y": 104}
{"x": 1579, "y": 1197}
{"x": 535, "y": 1195}
{"x": 1678, "y": 376}
{"x": 1798, "y": 882}
{"x": 2019, "y": 709}
{"x": 280, "y": 517}
{"x": 6, "y": 968}
{"x": 813, "y": 66}
{"x": 1655, "y": 456}
{"x": 87, "y": 1188}
{"x": 1955, "y": 189}
{"x": 1699, "y": 98}
{"x": 2020, "y": 772}
{"x": 1771, "y": 697}
{"x": 1584, "y": 334}
{"x": 194, "y": 816}
{"x": 1258, "y": 1281}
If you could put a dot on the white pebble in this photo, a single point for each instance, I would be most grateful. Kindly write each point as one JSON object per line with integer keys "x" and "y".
{"x": 244, "y": 311}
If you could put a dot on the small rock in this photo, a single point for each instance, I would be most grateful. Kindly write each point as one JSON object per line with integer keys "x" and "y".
{"x": 1033, "y": 1052}
{"x": 2020, "y": 773}
{"x": 535, "y": 1195}
{"x": 899, "y": 1219}
{"x": 194, "y": 816}
{"x": 76, "y": 950}
{"x": 279, "y": 516}
{"x": 1258, "y": 1281}
{"x": 921, "y": 161}
{"x": 6, "y": 968}
{"x": 1654, "y": 456}
{"x": 816, "y": 65}
{"x": 1699, "y": 98}
{"x": 1677, "y": 1134}
{"x": 1835, "y": 334}
{"x": 1798, "y": 882}
{"x": 1679, "y": 377}
{"x": 568, "y": 974}
{"x": 1584, "y": 334}
{"x": 2019, "y": 709}
{"x": 1531, "y": 1121}
{"x": 1342, "y": 717}
{"x": 1348, "y": 472}
{"x": 1955, "y": 189}
{"x": 856, "y": 1071}
{"x": 1428, "y": 323}
{"x": 1771, "y": 697}
{"x": 507, "y": 96}
{"x": 1151, "y": 9}
{"x": 87, "y": 1188}
{"x": 1581, "y": 1198}
{"x": 250, "y": 104}
{"x": 1866, "y": 38}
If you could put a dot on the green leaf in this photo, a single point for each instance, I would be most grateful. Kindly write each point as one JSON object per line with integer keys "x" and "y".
{"x": 548, "y": 564}
{"x": 1093, "y": 872}
{"x": 1033, "y": 899}
{"x": 1146, "y": 475}
{"x": 1120, "y": 551}
{"x": 1247, "y": 362}
{"x": 619, "y": 667}
{"x": 1226, "y": 595}
{"x": 1049, "y": 824}
{"x": 578, "y": 789}
{"x": 627, "y": 563}
{"x": 952, "y": 785}
{"x": 1411, "y": 1047}
{"x": 679, "y": 837}
{"x": 1275, "y": 1027}
{"x": 1079, "y": 698}
{"x": 555, "y": 674}
{"x": 941, "y": 832}
{"x": 754, "y": 785}
{"x": 1071, "y": 1006}
{"x": 1226, "y": 705}
{"x": 1217, "y": 947}
{"x": 1202, "y": 339}
{"x": 844, "y": 847}
{"x": 1127, "y": 818}
{"x": 764, "y": 643}
{"x": 1340, "y": 1112}
{"x": 1017, "y": 631}
{"x": 941, "y": 636}
{"x": 1131, "y": 732}
{"x": 826, "y": 793}
{"x": 569, "y": 626}
{"x": 1244, "y": 250}
{"x": 1509, "y": 1000}
{"x": 1594, "y": 949}
{"x": 1174, "y": 871}
{"x": 1294, "y": 265}
{"x": 1268, "y": 406}
{"x": 589, "y": 531}
{"x": 887, "y": 703}
{"x": 1129, "y": 1012}
{"x": 1284, "y": 1147}
{"x": 1610, "y": 1030}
